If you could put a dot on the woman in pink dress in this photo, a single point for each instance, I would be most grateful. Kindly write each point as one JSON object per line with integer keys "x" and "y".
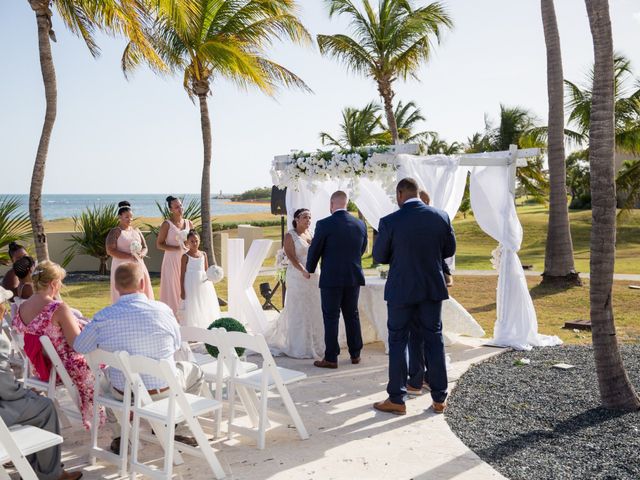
{"x": 171, "y": 237}
{"x": 119, "y": 246}
{"x": 41, "y": 315}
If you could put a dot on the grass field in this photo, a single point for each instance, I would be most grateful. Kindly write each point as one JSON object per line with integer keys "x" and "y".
{"x": 474, "y": 246}
{"x": 477, "y": 294}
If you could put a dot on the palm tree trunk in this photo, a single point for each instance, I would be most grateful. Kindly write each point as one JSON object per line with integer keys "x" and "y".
{"x": 45, "y": 33}
{"x": 615, "y": 389}
{"x": 205, "y": 189}
{"x": 386, "y": 92}
{"x": 558, "y": 261}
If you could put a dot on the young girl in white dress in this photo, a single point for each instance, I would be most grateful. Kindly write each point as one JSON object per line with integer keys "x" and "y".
{"x": 200, "y": 305}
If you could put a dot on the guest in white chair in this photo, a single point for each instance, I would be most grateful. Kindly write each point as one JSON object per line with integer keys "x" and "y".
{"x": 20, "y": 406}
{"x": 139, "y": 326}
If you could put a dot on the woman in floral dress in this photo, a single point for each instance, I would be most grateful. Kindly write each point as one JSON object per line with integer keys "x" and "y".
{"x": 41, "y": 315}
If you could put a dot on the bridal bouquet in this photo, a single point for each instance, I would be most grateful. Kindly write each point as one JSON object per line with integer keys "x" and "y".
{"x": 215, "y": 273}
{"x": 135, "y": 248}
{"x": 282, "y": 262}
{"x": 181, "y": 236}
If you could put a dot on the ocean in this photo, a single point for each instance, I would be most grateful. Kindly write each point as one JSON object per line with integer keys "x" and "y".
{"x": 66, "y": 206}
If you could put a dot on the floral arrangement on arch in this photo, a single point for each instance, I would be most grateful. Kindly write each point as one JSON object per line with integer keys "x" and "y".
{"x": 336, "y": 165}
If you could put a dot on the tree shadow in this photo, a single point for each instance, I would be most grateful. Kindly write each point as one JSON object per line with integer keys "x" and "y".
{"x": 489, "y": 307}
{"x": 542, "y": 290}
{"x": 566, "y": 428}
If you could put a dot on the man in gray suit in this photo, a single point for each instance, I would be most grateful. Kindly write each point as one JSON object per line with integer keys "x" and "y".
{"x": 24, "y": 407}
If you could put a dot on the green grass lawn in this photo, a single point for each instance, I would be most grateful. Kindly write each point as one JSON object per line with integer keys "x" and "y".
{"x": 477, "y": 294}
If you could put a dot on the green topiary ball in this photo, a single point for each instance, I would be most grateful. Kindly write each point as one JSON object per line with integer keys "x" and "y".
{"x": 230, "y": 325}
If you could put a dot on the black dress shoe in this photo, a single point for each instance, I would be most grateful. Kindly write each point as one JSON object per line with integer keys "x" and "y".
{"x": 115, "y": 446}
{"x": 355, "y": 360}
{"x": 325, "y": 364}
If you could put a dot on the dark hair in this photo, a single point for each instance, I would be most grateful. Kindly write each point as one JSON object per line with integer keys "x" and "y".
{"x": 14, "y": 247}
{"x": 408, "y": 185}
{"x": 124, "y": 206}
{"x": 297, "y": 213}
{"x": 193, "y": 233}
{"x": 23, "y": 266}
{"x": 170, "y": 199}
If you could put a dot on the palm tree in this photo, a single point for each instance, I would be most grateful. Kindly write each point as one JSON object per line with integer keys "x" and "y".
{"x": 222, "y": 39}
{"x": 14, "y": 225}
{"x": 389, "y": 42}
{"x": 81, "y": 17}
{"x": 517, "y": 126}
{"x": 559, "y": 266}
{"x": 615, "y": 389}
{"x": 407, "y": 116}
{"x": 359, "y": 128}
{"x": 437, "y": 145}
{"x": 93, "y": 226}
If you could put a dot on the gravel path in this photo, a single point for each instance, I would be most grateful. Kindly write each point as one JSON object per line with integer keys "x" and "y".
{"x": 536, "y": 422}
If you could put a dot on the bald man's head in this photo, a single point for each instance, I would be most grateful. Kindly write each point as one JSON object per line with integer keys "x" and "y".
{"x": 129, "y": 278}
{"x": 339, "y": 200}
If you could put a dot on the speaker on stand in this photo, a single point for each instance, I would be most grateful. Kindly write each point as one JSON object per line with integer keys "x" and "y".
{"x": 279, "y": 207}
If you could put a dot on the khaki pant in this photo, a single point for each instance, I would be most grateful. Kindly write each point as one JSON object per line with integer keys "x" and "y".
{"x": 190, "y": 378}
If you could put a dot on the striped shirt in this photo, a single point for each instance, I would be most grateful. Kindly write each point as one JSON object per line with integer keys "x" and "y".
{"x": 136, "y": 325}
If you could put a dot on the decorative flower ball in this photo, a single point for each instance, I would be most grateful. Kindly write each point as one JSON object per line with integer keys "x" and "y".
{"x": 5, "y": 295}
{"x": 230, "y": 325}
{"x": 215, "y": 273}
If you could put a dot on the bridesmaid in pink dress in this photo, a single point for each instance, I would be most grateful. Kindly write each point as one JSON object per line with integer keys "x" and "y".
{"x": 170, "y": 240}
{"x": 41, "y": 315}
{"x": 118, "y": 245}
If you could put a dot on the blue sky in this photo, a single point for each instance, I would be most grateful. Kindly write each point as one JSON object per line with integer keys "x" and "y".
{"x": 143, "y": 135}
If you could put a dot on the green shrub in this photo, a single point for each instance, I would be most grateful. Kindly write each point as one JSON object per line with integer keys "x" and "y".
{"x": 230, "y": 325}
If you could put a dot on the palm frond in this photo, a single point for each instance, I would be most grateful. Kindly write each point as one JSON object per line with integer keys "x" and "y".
{"x": 14, "y": 225}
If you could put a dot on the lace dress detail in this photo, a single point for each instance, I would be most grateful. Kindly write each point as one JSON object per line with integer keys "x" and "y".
{"x": 74, "y": 362}
{"x": 299, "y": 330}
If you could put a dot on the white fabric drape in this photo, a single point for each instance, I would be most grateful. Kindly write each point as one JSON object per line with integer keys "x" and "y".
{"x": 440, "y": 176}
{"x": 314, "y": 196}
{"x": 494, "y": 209}
{"x": 373, "y": 201}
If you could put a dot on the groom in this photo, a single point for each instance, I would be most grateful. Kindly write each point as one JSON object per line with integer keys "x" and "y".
{"x": 414, "y": 240}
{"x": 340, "y": 240}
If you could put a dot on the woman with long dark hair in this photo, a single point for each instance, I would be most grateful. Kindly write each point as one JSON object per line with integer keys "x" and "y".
{"x": 171, "y": 237}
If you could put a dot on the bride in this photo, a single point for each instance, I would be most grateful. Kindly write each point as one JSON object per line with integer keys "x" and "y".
{"x": 299, "y": 330}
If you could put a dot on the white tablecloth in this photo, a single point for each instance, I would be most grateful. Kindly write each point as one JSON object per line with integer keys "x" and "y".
{"x": 373, "y": 315}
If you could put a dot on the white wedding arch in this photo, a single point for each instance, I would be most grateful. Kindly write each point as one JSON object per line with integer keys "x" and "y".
{"x": 369, "y": 177}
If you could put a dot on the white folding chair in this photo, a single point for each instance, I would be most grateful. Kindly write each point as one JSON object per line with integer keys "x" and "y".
{"x": 49, "y": 388}
{"x": 269, "y": 377}
{"x": 120, "y": 408}
{"x": 216, "y": 370}
{"x": 177, "y": 407}
{"x": 19, "y": 441}
{"x": 73, "y": 412}
{"x": 14, "y": 355}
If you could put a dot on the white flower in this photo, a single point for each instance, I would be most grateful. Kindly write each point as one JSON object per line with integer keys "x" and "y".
{"x": 181, "y": 236}
{"x": 215, "y": 273}
{"x": 282, "y": 261}
{"x": 135, "y": 248}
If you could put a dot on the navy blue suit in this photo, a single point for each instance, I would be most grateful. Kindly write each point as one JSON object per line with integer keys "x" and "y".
{"x": 340, "y": 240}
{"x": 414, "y": 241}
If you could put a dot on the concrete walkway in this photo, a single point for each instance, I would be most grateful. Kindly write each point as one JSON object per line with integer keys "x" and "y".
{"x": 348, "y": 439}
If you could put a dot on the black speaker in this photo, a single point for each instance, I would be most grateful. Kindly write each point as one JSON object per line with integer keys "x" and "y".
{"x": 278, "y": 201}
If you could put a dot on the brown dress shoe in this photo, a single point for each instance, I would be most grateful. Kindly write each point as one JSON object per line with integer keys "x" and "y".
{"x": 439, "y": 407}
{"x": 355, "y": 360}
{"x": 414, "y": 392}
{"x": 70, "y": 475}
{"x": 388, "y": 406}
{"x": 325, "y": 364}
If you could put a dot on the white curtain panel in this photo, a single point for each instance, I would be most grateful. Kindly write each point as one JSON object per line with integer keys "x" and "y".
{"x": 373, "y": 201}
{"x": 494, "y": 209}
{"x": 439, "y": 175}
{"x": 312, "y": 195}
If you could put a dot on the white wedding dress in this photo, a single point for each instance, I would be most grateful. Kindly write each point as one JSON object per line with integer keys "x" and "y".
{"x": 299, "y": 330}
